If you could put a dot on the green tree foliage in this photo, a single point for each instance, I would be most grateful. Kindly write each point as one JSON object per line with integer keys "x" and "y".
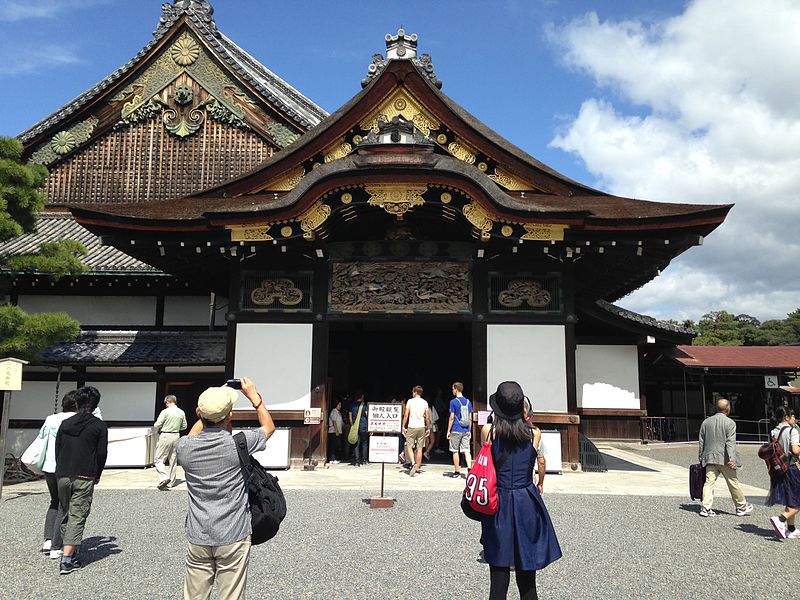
{"x": 21, "y": 198}
{"x": 23, "y": 335}
{"x": 721, "y": 328}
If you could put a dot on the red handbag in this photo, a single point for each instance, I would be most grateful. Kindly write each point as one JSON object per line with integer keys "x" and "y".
{"x": 481, "y": 490}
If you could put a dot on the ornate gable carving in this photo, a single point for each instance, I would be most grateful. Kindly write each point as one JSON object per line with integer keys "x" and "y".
{"x": 401, "y": 103}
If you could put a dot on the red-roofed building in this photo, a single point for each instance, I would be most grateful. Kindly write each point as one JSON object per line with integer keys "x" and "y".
{"x": 684, "y": 382}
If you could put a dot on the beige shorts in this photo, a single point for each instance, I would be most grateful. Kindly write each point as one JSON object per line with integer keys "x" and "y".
{"x": 415, "y": 437}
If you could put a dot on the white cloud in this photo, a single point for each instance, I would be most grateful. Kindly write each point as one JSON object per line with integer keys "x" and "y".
{"x": 23, "y": 60}
{"x": 718, "y": 122}
{"x": 20, "y": 10}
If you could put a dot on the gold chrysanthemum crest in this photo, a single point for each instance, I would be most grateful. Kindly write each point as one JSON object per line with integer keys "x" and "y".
{"x": 185, "y": 51}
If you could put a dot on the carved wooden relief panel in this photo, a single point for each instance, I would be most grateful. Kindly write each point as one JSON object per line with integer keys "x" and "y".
{"x": 398, "y": 286}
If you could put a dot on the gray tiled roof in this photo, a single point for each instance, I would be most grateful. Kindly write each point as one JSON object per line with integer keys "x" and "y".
{"x": 140, "y": 348}
{"x": 643, "y": 319}
{"x": 54, "y": 227}
{"x": 275, "y": 90}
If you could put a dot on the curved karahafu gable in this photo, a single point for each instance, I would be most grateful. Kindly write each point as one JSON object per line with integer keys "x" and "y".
{"x": 402, "y": 148}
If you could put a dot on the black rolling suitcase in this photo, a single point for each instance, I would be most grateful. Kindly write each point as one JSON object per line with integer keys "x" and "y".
{"x": 697, "y": 479}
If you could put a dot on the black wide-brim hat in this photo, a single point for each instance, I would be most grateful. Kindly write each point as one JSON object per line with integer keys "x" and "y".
{"x": 508, "y": 401}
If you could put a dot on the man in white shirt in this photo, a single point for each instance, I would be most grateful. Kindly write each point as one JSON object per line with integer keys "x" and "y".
{"x": 416, "y": 427}
{"x": 169, "y": 424}
{"x": 335, "y": 438}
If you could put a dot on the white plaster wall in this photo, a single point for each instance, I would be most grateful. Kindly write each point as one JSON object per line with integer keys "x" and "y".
{"x": 535, "y": 357}
{"x": 277, "y": 357}
{"x": 36, "y": 399}
{"x": 126, "y": 400}
{"x": 192, "y": 310}
{"x": 92, "y": 311}
{"x": 607, "y": 376}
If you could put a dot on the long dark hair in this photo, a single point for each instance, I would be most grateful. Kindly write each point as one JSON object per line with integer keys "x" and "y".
{"x": 782, "y": 413}
{"x": 514, "y": 432}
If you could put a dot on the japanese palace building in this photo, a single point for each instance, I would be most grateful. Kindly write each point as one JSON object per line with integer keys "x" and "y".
{"x": 235, "y": 228}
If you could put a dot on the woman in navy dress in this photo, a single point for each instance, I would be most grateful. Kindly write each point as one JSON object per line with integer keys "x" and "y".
{"x": 785, "y": 489}
{"x": 520, "y": 534}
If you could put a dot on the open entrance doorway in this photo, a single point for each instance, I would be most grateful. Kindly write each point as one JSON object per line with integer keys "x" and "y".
{"x": 387, "y": 359}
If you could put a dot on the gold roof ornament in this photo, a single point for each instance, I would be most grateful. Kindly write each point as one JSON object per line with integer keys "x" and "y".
{"x": 401, "y": 103}
{"x": 396, "y": 199}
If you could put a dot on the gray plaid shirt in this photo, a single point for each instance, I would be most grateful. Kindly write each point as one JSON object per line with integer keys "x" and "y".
{"x": 218, "y": 512}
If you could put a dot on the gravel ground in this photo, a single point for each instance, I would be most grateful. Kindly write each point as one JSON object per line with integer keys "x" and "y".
{"x": 752, "y": 471}
{"x": 332, "y": 545}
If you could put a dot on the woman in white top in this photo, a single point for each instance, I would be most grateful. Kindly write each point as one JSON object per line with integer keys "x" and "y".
{"x": 52, "y": 521}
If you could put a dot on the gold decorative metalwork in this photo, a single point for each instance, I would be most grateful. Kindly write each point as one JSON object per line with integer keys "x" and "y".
{"x": 482, "y": 166}
{"x": 347, "y": 198}
{"x": 286, "y": 182}
{"x": 314, "y": 216}
{"x": 399, "y": 287}
{"x": 286, "y": 231}
{"x": 144, "y": 98}
{"x": 281, "y": 290}
{"x": 401, "y": 103}
{"x": 476, "y": 215}
{"x": 185, "y": 51}
{"x": 446, "y": 197}
{"x": 248, "y": 233}
{"x": 357, "y": 139}
{"x": 441, "y": 138}
{"x": 462, "y": 152}
{"x": 396, "y": 199}
{"x": 506, "y": 230}
{"x": 338, "y": 150}
{"x": 527, "y": 291}
{"x": 64, "y": 142}
{"x": 509, "y": 181}
{"x": 183, "y": 125}
{"x": 544, "y": 231}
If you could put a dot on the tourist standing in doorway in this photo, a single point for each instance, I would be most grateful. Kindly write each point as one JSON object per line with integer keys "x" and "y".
{"x": 416, "y": 427}
{"x": 358, "y": 414}
{"x": 718, "y": 455}
{"x": 81, "y": 450}
{"x": 218, "y": 525}
{"x": 785, "y": 489}
{"x": 169, "y": 424}
{"x": 520, "y": 534}
{"x": 459, "y": 429}
{"x": 335, "y": 437}
{"x": 52, "y": 521}
{"x": 430, "y": 442}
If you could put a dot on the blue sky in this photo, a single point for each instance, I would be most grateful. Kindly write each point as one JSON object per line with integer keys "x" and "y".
{"x": 626, "y": 95}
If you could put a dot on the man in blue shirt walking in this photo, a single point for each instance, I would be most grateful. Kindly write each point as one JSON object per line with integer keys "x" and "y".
{"x": 458, "y": 429}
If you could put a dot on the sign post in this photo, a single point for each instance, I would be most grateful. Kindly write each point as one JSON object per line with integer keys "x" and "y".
{"x": 10, "y": 380}
{"x": 383, "y": 419}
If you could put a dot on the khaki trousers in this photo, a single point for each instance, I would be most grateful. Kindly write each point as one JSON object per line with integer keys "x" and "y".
{"x": 166, "y": 451}
{"x": 75, "y": 498}
{"x": 227, "y": 564}
{"x": 714, "y": 471}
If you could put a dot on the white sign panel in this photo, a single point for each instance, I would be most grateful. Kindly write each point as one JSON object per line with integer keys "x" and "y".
{"x": 11, "y": 374}
{"x": 384, "y": 449}
{"x": 771, "y": 382}
{"x": 312, "y": 416}
{"x": 384, "y": 418}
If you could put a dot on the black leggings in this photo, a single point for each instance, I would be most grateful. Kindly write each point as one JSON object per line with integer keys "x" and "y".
{"x": 499, "y": 578}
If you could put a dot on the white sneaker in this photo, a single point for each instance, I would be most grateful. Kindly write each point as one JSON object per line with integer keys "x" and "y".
{"x": 707, "y": 512}
{"x": 333, "y": 462}
{"x": 741, "y": 512}
{"x": 779, "y": 527}
{"x": 793, "y": 534}
{"x": 56, "y": 554}
{"x": 46, "y": 546}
